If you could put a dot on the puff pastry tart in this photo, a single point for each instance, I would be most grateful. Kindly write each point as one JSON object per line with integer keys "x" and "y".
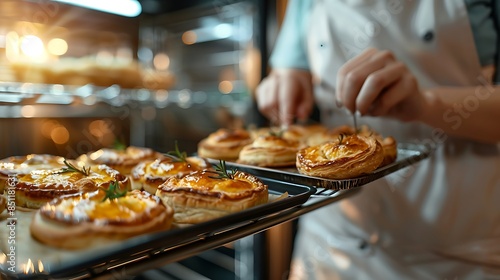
{"x": 330, "y": 135}
{"x": 389, "y": 144}
{"x": 270, "y": 151}
{"x": 148, "y": 175}
{"x": 41, "y": 186}
{"x": 89, "y": 219}
{"x": 302, "y": 133}
{"x": 224, "y": 144}
{"x": 25, "y": 164}
{"x": 345, "y": 158}
{"x": 121, "y": 160}
{"x": 205, "y": 195}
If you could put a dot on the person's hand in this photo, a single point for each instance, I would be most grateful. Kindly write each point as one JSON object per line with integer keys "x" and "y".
{"x": 285, "y": 94}
{"x": 375, "y": 83}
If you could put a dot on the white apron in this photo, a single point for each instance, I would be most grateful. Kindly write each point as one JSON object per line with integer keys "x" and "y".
{"x": 439, "y": 219}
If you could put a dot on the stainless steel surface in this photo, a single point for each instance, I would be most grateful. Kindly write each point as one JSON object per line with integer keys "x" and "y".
{"x": 408, "y": 154}
{"x": 149, "y": 261}
{"x": 46, "y": 261}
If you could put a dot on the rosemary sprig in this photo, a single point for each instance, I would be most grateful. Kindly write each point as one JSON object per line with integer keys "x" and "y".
{"x": 177, "y": 155}
{"x": 119, "y": 145}
{"x": 222, "y": 171}
{"x": 276, "y": 133}
{"x": 113, "y": 191}
{"x": 71, "y": 168}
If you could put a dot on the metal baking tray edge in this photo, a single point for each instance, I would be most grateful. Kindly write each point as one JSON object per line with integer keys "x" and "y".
{"x": 92, "y": 261}
{"x": 408, "y": 154}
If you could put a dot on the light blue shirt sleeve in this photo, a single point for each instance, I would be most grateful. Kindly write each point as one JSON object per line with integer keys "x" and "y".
{"x": 290, "y": 48}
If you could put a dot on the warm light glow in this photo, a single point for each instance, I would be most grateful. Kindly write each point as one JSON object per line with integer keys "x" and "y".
{"x": 28, "y": 111}
{"x": 225, "y": 87}
{"x": 32, "y": 47}
{"x": 47, "y": 127}
{"x": 12, "y": 46}
{"x": 29, "y": 267}
{"x": 40, "y": 266}
{"x": 189, "y": 37}
{"x": 161, "y": 61}
{"x": 125, "y": 54}
{"x": 57, "y": 46}
{"x": 127, "y": 8}
{"x": 99, "y": 128}
{"x": 60, "y": 135}
{"x": 161, "y": 95}
{"x": 104, "y": 57}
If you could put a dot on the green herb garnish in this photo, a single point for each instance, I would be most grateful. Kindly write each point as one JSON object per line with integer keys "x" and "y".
{"x": 119, "y": 145}
{"x": 113, "y": 191}
{"x": 177, "y": 155}
{"x": 276, "y": 133}
{"x": 71, "y": 168}
{"x": 222, "y": 171}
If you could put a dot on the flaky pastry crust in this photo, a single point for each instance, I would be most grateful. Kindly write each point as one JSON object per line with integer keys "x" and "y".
{"x": 25, "y": 164}
{"x": 41, "y": 186}
{"x": 302, "y": 133}
{"x": 200, "y": 196}
{"x": 270, "y": 151}
{"x": 148, "y": 175}
{"x": 224, "y": 144}
{"x": 329, "y": 135}
{"x": 121, "y": 160}
{"x": 353, "y": 156}
{"x": 85, "y": 220}
{"x": 389, "y": 144}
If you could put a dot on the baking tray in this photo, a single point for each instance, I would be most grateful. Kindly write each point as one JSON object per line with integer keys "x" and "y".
{"x": 408, "y": 154}
{"x": 37, "y": 261}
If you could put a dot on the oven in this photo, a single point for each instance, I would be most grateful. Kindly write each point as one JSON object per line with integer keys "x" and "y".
{"x": 74, "y": 80}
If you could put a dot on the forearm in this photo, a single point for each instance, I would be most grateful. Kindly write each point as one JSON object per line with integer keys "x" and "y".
{"x": 472, "y": 112}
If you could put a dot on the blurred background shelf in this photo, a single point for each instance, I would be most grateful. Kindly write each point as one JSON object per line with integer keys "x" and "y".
{"x": 73, "y": 80}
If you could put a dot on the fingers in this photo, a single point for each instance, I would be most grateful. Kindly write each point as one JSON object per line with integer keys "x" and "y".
{"x": 287, "y": 105}
{"x": 285, "y": 95}
{"x": 267, "y": 101}
{"x": 347, "y": 67}
{"x": 378, "y": 86}
{"x": 388, "y": 102}
{"x": 355, "y": 73}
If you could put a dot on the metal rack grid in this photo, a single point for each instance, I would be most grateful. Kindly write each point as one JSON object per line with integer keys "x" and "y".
{"x": 135, "y": 264}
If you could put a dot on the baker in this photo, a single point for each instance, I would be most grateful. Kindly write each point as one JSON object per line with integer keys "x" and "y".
{"x": 421, "y": 71}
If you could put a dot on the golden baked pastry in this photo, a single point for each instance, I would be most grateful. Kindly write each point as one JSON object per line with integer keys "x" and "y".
{"x": 121, "y": 160}
{"x": 41, "y": 186}
{"x": 270, "y": 151}
{"x": 205, "y": 195}
{"x": 97, "y": 218}
{"x": 345, "y": 158}
{"x": 260, "y": 131}
{"x": 302, "y": 133}
{"x": 25, "y": 164}
{"x": 148, "y": 175}
{"x": 389, "y": 144}
{"x": 329, "y": 135}
{"x": 224, "y": 144}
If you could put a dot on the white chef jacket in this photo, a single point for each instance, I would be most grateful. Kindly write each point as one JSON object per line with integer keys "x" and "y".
{"x": 438, "y": 219}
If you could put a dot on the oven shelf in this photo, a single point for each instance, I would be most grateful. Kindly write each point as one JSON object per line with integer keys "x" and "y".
{"x": 85, "y": 100}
